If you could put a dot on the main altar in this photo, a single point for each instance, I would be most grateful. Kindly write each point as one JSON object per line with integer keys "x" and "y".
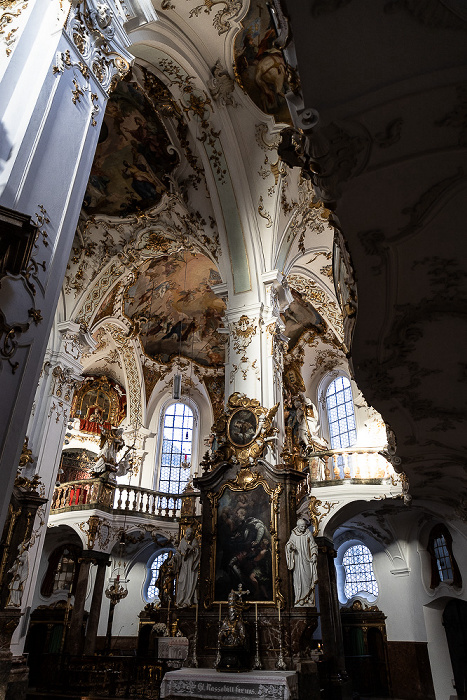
{"x": 252, "y": 612}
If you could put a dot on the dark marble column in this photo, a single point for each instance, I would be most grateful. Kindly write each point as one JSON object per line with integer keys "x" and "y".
{"x": 331, "y": 627}
{"x": 75, "y": 640}
{"x": 102, "y": 561}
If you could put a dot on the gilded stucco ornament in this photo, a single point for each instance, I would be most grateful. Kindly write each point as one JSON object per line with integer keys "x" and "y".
{"x": 99, "y": 39}
{"x": 317, "y": 513}
{"x": 242, "y": 432}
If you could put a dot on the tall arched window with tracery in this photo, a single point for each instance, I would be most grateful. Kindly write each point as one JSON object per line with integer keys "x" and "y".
{"x": 176, "y": 449}
{"x": 341, "y": 413}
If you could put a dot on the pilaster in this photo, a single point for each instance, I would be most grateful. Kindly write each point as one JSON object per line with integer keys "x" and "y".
{"x": 59, "y": 69}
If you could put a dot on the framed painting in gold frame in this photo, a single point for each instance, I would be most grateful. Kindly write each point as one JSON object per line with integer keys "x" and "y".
{"x": 244, "y": 547}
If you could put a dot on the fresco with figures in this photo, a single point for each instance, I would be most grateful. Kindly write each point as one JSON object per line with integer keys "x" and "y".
{"x": 132, "y": 158}
{"x": 177, "y": 311}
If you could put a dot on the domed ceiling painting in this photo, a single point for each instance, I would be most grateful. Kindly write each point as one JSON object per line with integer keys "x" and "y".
{"x": 177, "y": 310}
{"x": 131, "y": 159}
{"x": 260, "y": 67}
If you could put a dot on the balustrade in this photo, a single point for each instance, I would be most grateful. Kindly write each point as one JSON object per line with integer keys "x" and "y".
{"x": 118, "y": 498}
{"x": 352, "y": 463}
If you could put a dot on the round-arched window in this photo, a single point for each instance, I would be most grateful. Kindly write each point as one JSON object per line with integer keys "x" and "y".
{"x": 359, "y": 574}
{"x": 341, "y": 414}
{"x": 177, "y": 447}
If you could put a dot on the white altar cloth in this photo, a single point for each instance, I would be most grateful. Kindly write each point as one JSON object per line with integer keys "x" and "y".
{"x": 209, "y": 684}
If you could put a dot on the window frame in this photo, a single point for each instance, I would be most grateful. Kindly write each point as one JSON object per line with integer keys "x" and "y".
{"x": 148, "y": 579}
{"x": 437, "y": 532}
{"x": 360, "y": 591}
{"x": 342, "y": 549}
{"x": 323, "y": 387}
{"x": 160, "y": 438}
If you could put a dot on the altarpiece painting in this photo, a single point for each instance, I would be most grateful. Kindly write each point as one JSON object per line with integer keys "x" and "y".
{"x": 244, "y": 546}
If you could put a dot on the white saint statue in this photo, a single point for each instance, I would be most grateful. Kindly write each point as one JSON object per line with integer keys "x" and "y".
{"x": 189, "y": 555}
{"x": 301, "y": 553}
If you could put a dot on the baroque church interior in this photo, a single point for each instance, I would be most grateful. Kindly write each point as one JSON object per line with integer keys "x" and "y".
{"x": 232, "y": 315}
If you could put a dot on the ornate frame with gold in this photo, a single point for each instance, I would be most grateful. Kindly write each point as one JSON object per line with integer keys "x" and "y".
{"x": 247, "y": 481}
{"x": 105, "y": 386}
{"x": 242, "y": 427}
{"x": 254, "y": 413}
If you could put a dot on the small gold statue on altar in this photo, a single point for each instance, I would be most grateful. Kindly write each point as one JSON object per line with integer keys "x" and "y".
{"x": 233, "y": 643}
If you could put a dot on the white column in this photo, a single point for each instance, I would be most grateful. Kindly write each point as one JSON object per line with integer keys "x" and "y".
{"x": 256, "y": 346}
{"x": 54, "y": 85}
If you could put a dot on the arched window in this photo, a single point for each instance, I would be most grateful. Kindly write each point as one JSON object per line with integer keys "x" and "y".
{"x": 151, "y": 590}
{"x": 62, "y": 570}
{"x": 341, "y": 414}
{"x": 359, "y": 574}
{"x": 177, "y": 444}
{"x": 443, "y": 564}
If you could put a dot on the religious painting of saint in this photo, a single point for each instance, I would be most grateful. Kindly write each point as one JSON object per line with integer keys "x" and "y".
{"x": 244, "y": 551}
{"x": 242, "y": 427}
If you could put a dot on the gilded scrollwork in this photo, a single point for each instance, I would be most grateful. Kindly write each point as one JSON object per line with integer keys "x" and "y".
{"x": 317, "y": 513}
{"x": 91, "y": 28}
{"x": 64, "y": 382}
{"x": 242, "y": 432}
{"x": 10, "y": 11}
{"x": 223, "y": 16}
{"x": 263, "y": 213}
{"x": 96, "y": 529}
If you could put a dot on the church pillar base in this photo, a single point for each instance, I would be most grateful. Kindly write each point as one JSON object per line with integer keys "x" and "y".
{"x": 18, "y": 679}
{"x": 8, "y": 622}
{"x": 339, "y": 688}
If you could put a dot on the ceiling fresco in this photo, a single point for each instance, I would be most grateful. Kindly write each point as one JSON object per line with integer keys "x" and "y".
{"x": 177, "y": 310}
{"x": 259, "y": 66}
{"x": 299, "y": 317}
{"x": 132, "y": 157}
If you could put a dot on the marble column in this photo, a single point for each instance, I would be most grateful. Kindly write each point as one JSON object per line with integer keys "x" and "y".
{"x": 331, "y": 626}
{"x": 75, "y": 638}
{"x": 96, "y": 602}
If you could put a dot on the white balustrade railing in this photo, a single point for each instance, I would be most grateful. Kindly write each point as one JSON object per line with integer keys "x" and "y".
{"x": 89, "y": 493}
{"x": 352, "y": 463}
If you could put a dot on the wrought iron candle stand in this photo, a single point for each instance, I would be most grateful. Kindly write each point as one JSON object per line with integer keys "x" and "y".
{"x": 257, "y": 665}
{"x": 218, "y": 655}
{"x": 194, "y": 657}
{"x": 280, "y": 663}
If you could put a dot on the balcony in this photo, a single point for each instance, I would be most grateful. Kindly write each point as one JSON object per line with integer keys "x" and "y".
{"x": 358, "y": 465}
{"x": 118, "y": 499}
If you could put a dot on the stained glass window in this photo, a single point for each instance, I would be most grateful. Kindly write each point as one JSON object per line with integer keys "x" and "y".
{"x": 152, "y": 590}
{"x": 341, "y": 414}
{"x": 359, "y": 574}
{"x": 177, "y": 440}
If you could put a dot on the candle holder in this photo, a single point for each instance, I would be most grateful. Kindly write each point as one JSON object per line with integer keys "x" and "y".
{"x": 280, "y": 663}
{"x": 218, "y": 654}
{"x": 194, "y": 657}
{"x": 257, "y": 665}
